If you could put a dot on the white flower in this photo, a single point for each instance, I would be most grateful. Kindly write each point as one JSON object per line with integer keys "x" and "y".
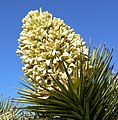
{"x": 64, "y": 76}
{"x": 50, "y": 36}
{"x": 70, "y": 60}
{"x": 38, "y": 78}
{"x": 44, "y": 42}
{"x": 50, "y": 70}
{"x": 85, "y": 51}
{"x": 54, "y": 61}
{"x": 47, "y": 62}
{"x": 42, "y": 47}
{"x": 65, "y": 33}
{"x": 40, "y": 59}
{"x": 70, "y": 70}
{"x": 53, "y": 52}
{"x": 65, "y": 54}
{"x": 44, "y": 72}
{"x": 18, "y": 52}
{"x": 72, "y": 65}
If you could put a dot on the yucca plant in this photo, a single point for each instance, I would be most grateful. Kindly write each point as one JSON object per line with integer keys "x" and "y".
{"x": 8, "y": 110}
{"x": 66, "y": 80}
{"x": 90, "y": 95}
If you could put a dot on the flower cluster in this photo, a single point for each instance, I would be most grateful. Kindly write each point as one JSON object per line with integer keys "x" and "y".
{"x": 44, "y": 42}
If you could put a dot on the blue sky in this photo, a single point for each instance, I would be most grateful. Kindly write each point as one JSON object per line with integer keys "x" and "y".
{"x": 90, "y": 18}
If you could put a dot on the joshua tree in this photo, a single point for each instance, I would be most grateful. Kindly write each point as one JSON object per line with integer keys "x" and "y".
{"x": 66, "y": 80}
{"x": 8, "y": 110}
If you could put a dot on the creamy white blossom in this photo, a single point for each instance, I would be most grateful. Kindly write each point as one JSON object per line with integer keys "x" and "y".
{"x": 44, "y": 42}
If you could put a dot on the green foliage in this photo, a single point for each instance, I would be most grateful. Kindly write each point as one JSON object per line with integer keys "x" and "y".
{"x": 91, "y": 95}
{"x": 8, "y": 110}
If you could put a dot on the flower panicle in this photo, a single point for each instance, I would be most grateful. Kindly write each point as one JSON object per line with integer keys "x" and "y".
{"x": 44, "y": 42}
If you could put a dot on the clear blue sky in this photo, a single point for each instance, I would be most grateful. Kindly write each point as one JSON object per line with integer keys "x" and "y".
{"x": 91, "y": 18}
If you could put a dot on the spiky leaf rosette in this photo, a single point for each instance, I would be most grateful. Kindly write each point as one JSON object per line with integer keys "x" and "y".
{"x": 8, "y": 110}
{"x": 93, "y": 97}
{"x": 44, "y": 42}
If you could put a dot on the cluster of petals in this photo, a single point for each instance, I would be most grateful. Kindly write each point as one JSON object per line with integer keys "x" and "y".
{"x": 44, "y": 43}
